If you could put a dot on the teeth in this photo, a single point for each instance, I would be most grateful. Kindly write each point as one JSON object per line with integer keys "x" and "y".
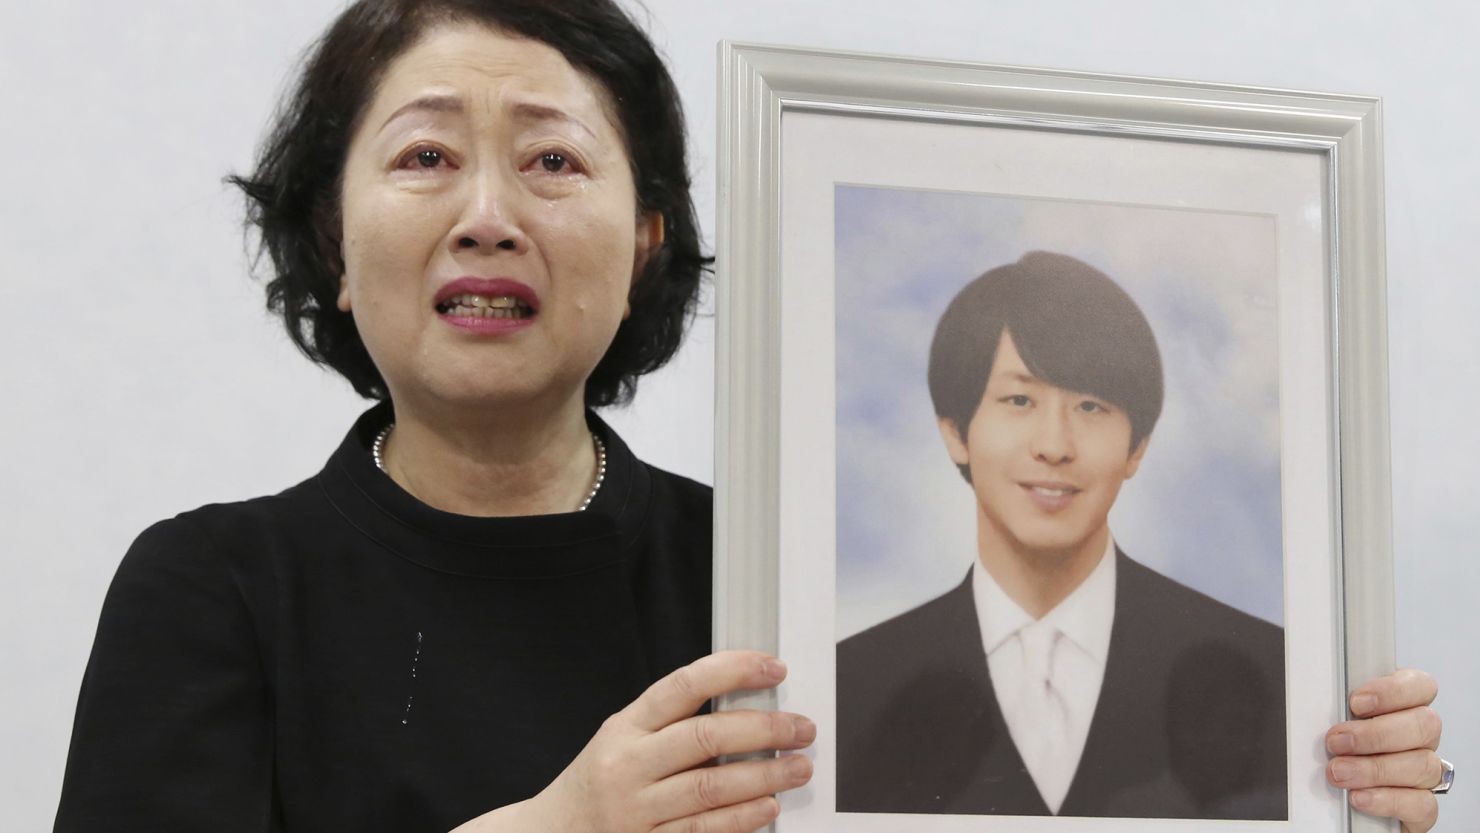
{"x": 484, "y": 306}
{"x": 497, "y": 302}
{"x": 485, "y": 312}
{"x": 1051, "y": 492}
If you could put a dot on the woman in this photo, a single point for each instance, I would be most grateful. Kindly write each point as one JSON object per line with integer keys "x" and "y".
{"x": 483, "y": 611}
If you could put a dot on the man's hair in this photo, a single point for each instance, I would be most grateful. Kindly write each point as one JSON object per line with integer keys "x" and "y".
{"x": 293, "y": 194}
{"x": 1074, "y": 327}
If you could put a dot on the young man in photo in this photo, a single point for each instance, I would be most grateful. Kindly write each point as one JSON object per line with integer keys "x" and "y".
{"x": 1060, "y": 676}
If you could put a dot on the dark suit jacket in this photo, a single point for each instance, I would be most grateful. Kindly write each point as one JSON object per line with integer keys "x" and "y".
{"x": 1190, "y": 722}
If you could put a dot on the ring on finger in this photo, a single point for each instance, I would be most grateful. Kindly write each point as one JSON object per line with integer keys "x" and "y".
{"x": 1446, "y": 778}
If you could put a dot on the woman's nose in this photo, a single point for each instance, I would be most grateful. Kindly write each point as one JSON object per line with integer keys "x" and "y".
{"x": 489, "y": 222}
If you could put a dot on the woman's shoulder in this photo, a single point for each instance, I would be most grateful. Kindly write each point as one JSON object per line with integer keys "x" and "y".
{"x": 679, "y": 488}
{"x": 298, "y": 504}
{"x": 679, "y": 519}
{"x": 205, "y": 545}
{"x": 681, "y": 497}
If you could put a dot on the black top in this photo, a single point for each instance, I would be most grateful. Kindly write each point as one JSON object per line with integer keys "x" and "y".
{"x": 343, "y": 657}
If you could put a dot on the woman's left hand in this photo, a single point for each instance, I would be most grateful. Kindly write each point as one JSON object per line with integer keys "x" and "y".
{"x": 1386, "y": 757}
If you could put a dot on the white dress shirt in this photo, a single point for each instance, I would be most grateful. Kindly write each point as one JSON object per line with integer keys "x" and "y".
{"x": 1076, "y": 638}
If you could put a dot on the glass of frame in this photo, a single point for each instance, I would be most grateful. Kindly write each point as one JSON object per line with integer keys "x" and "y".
{"x": 1004, "y": 350}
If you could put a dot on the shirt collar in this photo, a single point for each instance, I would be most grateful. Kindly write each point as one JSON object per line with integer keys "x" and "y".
{"x": 1084, "y": 616}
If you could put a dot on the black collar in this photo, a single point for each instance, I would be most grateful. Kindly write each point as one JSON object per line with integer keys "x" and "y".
{"x": 538, "y": 546}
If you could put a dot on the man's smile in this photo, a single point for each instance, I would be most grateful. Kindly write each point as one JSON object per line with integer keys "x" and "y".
{"x": 1050, "y": 496}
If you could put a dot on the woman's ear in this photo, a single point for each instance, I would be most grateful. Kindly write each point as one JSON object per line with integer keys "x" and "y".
{"x": 343, "y": 300}
{"x": 651, "y": 231}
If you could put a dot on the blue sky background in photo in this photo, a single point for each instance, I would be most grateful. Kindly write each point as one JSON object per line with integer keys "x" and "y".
{"x": 1205, "y": 506}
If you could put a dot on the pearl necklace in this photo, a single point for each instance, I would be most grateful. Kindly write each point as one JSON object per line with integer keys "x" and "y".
{"x": 377, "y": 452}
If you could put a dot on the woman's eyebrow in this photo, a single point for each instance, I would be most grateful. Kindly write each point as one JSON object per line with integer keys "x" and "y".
{"x": 526, "y": 111}
{"x": 530, "y": 111}
{"x": 435, "y": 103}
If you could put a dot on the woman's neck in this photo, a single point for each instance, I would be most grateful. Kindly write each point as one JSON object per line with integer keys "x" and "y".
{"x": 496, "y": 465}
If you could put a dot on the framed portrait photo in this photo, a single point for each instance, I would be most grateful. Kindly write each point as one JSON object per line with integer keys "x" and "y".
{"x": 1052, "y": 447}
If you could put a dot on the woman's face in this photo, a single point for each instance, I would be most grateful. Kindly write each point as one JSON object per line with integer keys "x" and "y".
{"x": 491, "y": 232}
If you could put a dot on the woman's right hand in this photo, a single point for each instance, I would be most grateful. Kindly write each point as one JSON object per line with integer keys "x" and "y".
{"x": 645, "y": 770}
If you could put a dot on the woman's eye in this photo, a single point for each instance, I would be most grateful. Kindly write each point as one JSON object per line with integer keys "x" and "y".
{"x": 427, "y": 159}
{"x": 554, "y": 162}
{"x": 1017, "y": 400}
{"x": 1091, "y": 407}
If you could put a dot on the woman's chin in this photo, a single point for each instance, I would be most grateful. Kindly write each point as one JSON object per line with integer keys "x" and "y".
{"x": 481, "y": 393}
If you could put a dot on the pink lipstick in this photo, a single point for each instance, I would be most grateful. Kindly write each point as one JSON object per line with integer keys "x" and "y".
{"x": 487, "y": 305}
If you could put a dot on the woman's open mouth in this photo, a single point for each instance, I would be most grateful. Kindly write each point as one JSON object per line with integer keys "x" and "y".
{"x": 485, "y": 306}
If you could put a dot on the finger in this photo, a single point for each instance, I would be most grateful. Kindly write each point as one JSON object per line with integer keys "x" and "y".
{"x": 688, "y": 743}
{"x": 1419, "y": 768}
{"x": 1416, "y": 809}
{"x": 737, "y": 818}
{"x": 710, "y": 788}
{"x": 685, "y": 691}
{"x": 1402, "y": 689}
{"x": 1416, "y": 728}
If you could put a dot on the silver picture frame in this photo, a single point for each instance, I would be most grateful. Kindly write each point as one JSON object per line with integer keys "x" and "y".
{"x": 761, "y": 87}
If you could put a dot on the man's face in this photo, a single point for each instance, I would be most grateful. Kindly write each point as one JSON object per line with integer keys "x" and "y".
{"x": 1046, "y": 463}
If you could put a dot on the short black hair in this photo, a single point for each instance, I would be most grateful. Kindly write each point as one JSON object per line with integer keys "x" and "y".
{"x": 293, "y": 194}
{"x": 1074, "y": 327}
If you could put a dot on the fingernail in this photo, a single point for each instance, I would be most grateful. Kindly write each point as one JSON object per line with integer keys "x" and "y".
{"x": 1341, "y": 743}
{"x": 1363, "y": 703}
{"x": 1361, "y": 799}
{"x": 774, "y": 669}
{"x": 1343, "y": 771}
{"x": 798, "y": 769}
{"x": 804, "y": 729}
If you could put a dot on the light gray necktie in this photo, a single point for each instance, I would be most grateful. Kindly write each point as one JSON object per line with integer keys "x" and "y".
{"x": 1045, "y": 745}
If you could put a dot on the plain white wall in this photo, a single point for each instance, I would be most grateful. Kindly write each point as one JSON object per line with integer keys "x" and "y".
{"x": 140, "y": 375}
